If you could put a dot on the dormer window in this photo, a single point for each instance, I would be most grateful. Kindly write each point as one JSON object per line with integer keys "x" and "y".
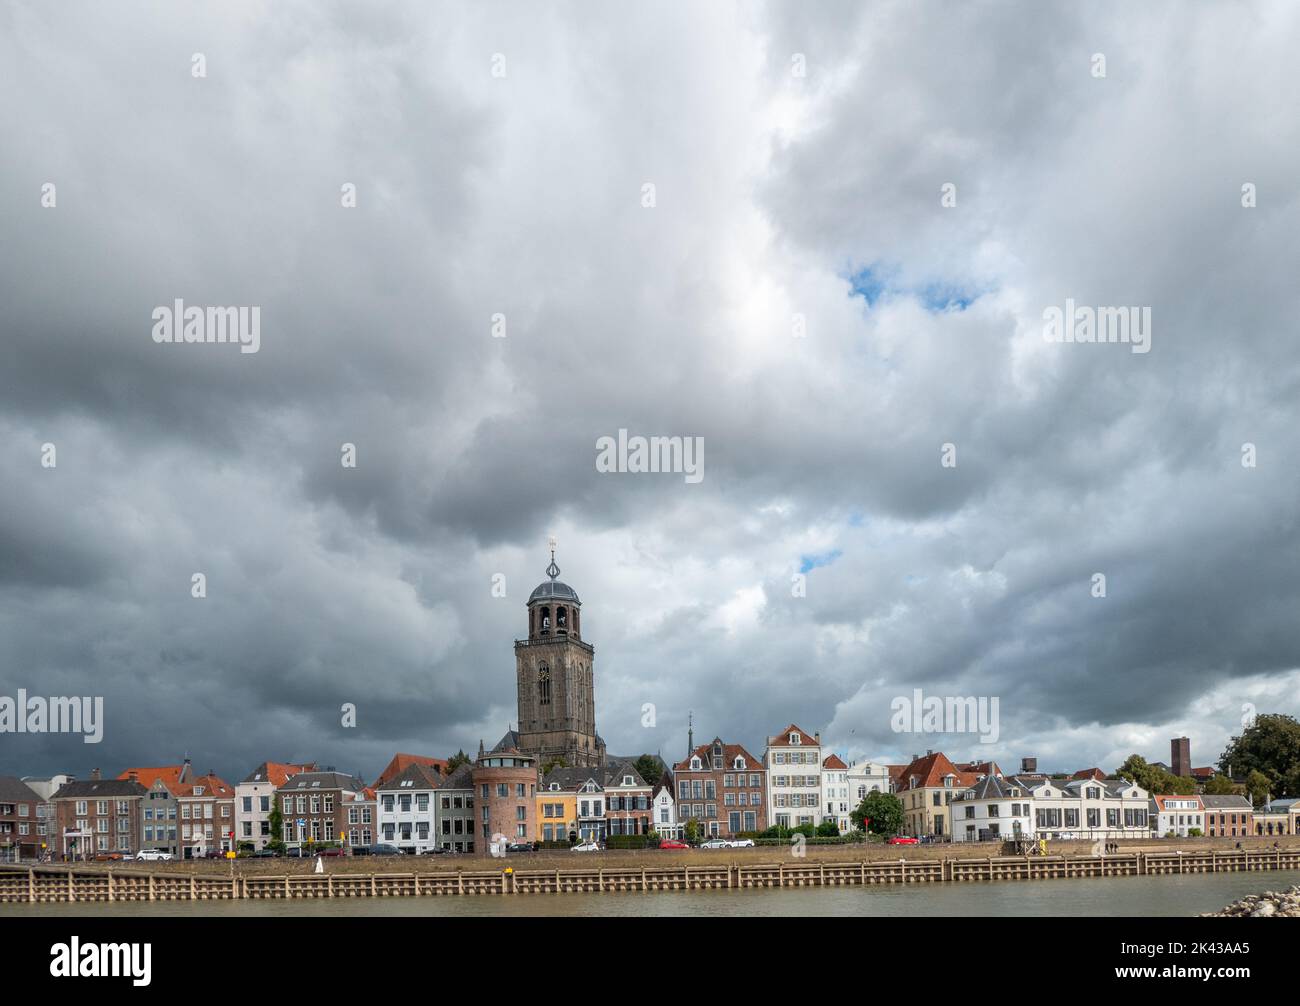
{"x": 796, "y": 739}
{"x": 740, "y": 762}
{"x": 696, "y": 765}
{"x": 627, "y": 780}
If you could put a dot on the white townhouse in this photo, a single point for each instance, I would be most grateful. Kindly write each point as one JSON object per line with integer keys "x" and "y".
{"x": 406, "y": 808}
{"x": 867, "y": 777}
{"x": 253, "y": 798}
{"x": 1176, "y": 815}
{"x": 837, "y": 803}
{"x": 991, "y": 810}
{"x": 793, "y": 759}
{"x": 665, "y": 809}
{"x": 1087, "y": 806}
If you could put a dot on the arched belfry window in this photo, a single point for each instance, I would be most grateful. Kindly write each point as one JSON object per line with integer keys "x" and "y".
{"x": 544, "y": 685}
{"x": 546, "y": 621}
{"x": 561, "y": 620}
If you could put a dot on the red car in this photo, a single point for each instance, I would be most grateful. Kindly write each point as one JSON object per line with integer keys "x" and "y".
{"x": 903, "y": 840}
{"x": 672, "y": 843}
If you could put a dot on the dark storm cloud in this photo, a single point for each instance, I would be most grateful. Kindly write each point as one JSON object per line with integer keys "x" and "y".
{"x": 521, "y": 196}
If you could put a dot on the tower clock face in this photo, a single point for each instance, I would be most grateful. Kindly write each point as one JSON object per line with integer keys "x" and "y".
{"x": 545, "y": 674}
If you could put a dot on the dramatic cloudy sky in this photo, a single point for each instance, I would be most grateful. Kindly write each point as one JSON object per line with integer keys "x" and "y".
{"x": 776, "y": 195}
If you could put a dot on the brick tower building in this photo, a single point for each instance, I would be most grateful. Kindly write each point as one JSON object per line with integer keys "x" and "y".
{"x": 557, "y": 700}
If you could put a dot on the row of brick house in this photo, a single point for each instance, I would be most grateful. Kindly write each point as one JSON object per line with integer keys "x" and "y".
{"x": 502, "y": 796}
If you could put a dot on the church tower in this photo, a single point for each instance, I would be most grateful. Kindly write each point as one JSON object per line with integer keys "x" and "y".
{"x": 557, "y": 700}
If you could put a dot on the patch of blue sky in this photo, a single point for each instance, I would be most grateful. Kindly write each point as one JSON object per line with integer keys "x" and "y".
{"x": 807, "y": 563}
{"x": 877, "y": 280}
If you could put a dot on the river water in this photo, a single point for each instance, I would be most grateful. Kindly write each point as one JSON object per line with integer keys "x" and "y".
{"x": 1114, "y": 896}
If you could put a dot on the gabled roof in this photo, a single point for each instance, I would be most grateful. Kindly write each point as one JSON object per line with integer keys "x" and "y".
{"x": 572, "y": 778}
{"x": 510, "y": 742}
{"x": 306, "y": 782}
{"x": 834, "y": 762}
{"x": 401, "y": 762}
{"x": 730, "y": 752}
{"x": 931, "y": 770}
{"x": 782, "y": 738}
{"x": 99, "y": 789}
{"x": 277, "y": 773}
{"x": 14, "y": 790}
{"x": 461, "y": 778}
{"x": 1207, "y": 772}
{"x": 1095, "y": 774}
{"x": 993, "y": 787}
{"x": 175, "y": 777}
{"x": 665, "y": 784}
{"x": 212, "y": 785}
{"x": 418, "y": 776}
{"x": 978, "y": 767}
{"x": 614, "y": 775}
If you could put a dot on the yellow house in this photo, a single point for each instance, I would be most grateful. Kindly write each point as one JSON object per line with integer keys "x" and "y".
{"x": 557, "y": 815}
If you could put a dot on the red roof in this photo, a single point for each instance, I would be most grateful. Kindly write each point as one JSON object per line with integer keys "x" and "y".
{"x": 1203, "y": 773}
{"x": 213, "y": 785}
{"x": 834, "y": 762}
{"x": 1090, "y": 773}
{"x": 278, "y": 773}
{"x": 730, "y": 752}
{"x": 931, "y": 771}
{"x": 146, "y": 777}
{"x": 783, "y": 736}
{"x": 401, "y": 762}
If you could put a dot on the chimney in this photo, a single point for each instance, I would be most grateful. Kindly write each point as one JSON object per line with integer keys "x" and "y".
{"x": 94, "y": 774}
{"x": 817, "y": 737}
{"x": 1029, "y": 765}
{"x": 133, "y": 775}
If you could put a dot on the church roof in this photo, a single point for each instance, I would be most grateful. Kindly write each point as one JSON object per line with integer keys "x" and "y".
{"x": 554, "y": 590}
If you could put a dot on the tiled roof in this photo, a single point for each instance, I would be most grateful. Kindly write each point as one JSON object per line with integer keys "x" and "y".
{"x": 1090, "y": 773}
{"x": 98, "y": 789}
{"x": 931, "y": 770}
{"x": 1225, "y": 801}
{"x": 729, "y": 754}
{"x": 782, "y": 738}
{"x": 462, "y": 778}
{"x": 212, "y": 785}
{"x": 401, "y": 762}
{"x": 174, "y": 777}
{"x": 277, "y": 773}
{"x": 833, "y": 762}
{"x": 307, "y": 781}
{"x": 419, "y": 776}
{"x": 14, "y": 790}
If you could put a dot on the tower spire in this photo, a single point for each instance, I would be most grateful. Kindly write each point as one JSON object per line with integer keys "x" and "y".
{"x": 690, "y": 733}
{"x": 552, "y": 570}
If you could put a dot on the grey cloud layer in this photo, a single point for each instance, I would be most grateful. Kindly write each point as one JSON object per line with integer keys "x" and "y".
{"x": 479, "y": 195}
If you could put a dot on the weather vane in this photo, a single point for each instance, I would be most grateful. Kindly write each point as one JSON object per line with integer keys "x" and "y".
{"x": 552, "y": 570}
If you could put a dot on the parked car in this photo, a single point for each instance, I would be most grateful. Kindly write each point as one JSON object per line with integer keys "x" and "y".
{"x": 672, "y": 843}
{"x": 520, "y": 847}
{"x": 435, "y": 850}
{"x": 716, "y": 843}
{"x": 384, "y": 849}
{"x": 109, "y": 857}
{"x": 903, "y": 840}
{"x": 742, "y": 843}
{"x": 333, "y": 850}
{"x": 585, "y": 847}
{"x": 154, "y": 856}
{"x": 264, "y": 854}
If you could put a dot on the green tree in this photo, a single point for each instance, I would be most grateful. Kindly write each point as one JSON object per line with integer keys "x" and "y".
{"x": 828, "y": 829}
{"x": 456, "y": 761}
{"x": 650, "y": 768}
{"x": 1258, "y": 788}
{"x": 1270, "y": 745}
{"x": 1221, "y": 785}
{"x": 1153, "y": 778}
{"x": 882, "y": 812}
{"x": 552, "y": 764}
{"x": 276, "y": 824}
{"x": 691, "y": 831}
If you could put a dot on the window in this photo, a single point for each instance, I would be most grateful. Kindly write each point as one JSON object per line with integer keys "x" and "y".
{"x": 544, "y": 685}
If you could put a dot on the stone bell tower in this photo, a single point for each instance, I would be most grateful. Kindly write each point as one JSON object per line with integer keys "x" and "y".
{"x": 557, "y": 700}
